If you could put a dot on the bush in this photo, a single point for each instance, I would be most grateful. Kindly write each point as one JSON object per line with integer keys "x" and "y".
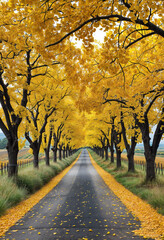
{"x": 56, "y": 167}
{"x": 46, "y": 173}
{"x": 30, "y": 180}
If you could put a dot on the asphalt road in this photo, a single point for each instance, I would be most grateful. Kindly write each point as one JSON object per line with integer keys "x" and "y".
{"x": 81, "y": 206}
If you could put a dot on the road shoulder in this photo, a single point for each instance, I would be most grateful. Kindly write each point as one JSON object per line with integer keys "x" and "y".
{"x": 152, "y": 223}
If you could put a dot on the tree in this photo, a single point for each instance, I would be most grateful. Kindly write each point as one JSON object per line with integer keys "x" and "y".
{"x": 13, "y": 98}
{"x": 130, "y": 146}
{"x": 129, "y": 21}
{"x": 41, "y": 106}
{"x": 47, "y": 144}
{"x": 143, "y": 99}
{"x": 134, "y": 81}
{"x": 23, "y": 57}
{"x": 37, "y": 35}
{"x": 56, "y": 139}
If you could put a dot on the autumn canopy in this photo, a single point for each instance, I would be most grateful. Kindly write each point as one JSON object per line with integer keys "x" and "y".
{"x": 61, "y": 87}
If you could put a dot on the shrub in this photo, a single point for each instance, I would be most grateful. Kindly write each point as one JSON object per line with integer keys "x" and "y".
{"x": 46, "y": 173}
{"x": 30, "y": 180}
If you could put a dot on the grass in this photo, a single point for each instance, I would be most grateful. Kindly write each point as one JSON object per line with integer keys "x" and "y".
{"x": 10, "y": 194}
{"x": 28, "y": 181}
{"x": 153, "y": 193}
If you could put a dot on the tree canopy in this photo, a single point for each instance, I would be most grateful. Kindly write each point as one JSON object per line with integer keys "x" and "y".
{"x": 99, "y": 94}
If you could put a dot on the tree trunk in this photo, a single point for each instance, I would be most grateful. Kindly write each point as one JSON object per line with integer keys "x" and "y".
{"x": 111, "y": 146}
{"x": 47, "y": 149}
{"x": 150, "y": 161}
{"x": 47, "y": 156}
{"x": 12, "y": 149}
{"x": 106, "y": 153}
{"x": 118, "y": 153}
{"x": 55, "y": 154}
{"x": 150, "y": 168}
{"x": 35, "y": 146}
{"x": 117, "y": 140}
{"x": 111, "y": 154}
{"x": 130, "y": 157}
{"x": 129, "y": 148}
{"x": 64, "y": 152}
{"x": 60, "y": 152}
{"x": 102, "y": 150}
{"x": 149, "y": 155}
{"x": 130, "y": 154}
{"x": 67, "y": 151}
{"x": 36, "y": 157}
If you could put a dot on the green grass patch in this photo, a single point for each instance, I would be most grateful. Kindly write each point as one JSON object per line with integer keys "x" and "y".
{"x": 153, "y": 192}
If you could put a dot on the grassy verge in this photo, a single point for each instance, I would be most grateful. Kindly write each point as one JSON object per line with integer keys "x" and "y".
{"x": 153, "y": 193}
{"x": 29, "y": 180}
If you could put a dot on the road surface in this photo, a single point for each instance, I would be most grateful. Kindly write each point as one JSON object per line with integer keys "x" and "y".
{"x": 81, "y": 206}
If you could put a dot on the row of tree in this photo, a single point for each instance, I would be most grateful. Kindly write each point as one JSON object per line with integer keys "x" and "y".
{"x": 35, "y": 96}
{"x": 41, "y": 70}
{"x": 129, "y": 101}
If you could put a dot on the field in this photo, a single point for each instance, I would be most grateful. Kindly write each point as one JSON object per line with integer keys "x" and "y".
{"x": 139, "y": 154}
{"x": 141, "y": 157}
{"x": 23, "y": 155}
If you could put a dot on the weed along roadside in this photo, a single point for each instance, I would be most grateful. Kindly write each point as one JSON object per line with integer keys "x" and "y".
{"x": 13, "y": 214}
{"x": 152, "y": 223}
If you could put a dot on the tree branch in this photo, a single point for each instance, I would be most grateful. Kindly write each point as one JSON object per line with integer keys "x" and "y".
{"x": 4, "y": 129}
{"x": 149, "y": 25}
{"x": 137, "y": 40}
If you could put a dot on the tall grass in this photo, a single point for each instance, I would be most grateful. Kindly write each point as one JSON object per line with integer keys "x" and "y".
{"x": 10, "y": 194}
{"x": 28, "y": 181}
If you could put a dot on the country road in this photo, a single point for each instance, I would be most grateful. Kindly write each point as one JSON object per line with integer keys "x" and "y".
{"x": 81, "y": 206}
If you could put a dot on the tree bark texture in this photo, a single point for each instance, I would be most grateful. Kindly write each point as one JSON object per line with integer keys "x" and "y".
{"x": 106, "y": 153}
{"x": 12, "y": 149}
{"x": 47, "y": 156}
